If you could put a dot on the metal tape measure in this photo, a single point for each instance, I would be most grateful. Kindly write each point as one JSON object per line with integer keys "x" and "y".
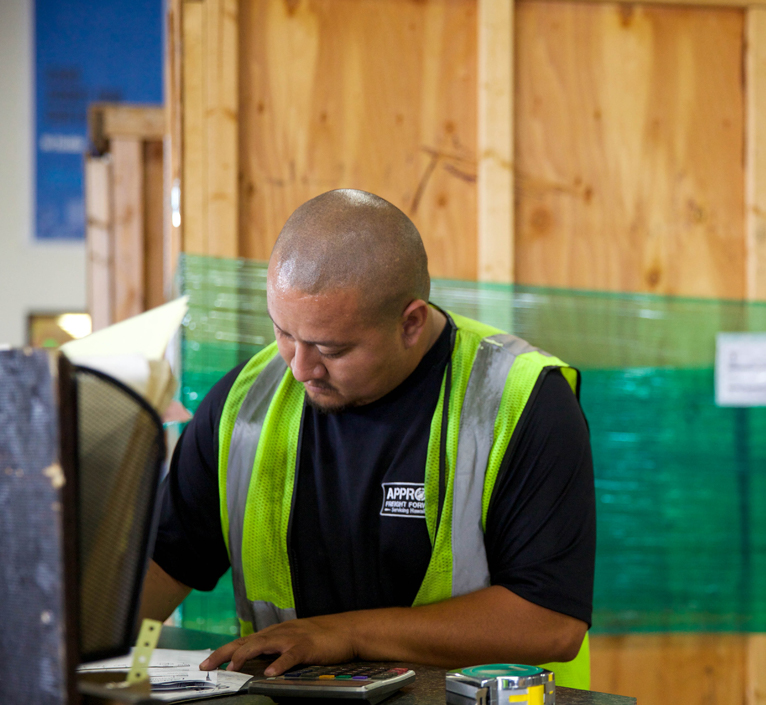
{"x": 500, "y": 684}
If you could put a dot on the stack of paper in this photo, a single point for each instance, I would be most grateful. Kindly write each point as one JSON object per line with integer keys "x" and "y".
{"x": 174, "y": 675}
{"x": 133, "y": 351}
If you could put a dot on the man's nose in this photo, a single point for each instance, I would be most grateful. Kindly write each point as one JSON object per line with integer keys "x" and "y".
{"x": 306, "y": 364}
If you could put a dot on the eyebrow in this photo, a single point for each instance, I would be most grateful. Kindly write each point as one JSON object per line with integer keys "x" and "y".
{"x": 323, "y": 343}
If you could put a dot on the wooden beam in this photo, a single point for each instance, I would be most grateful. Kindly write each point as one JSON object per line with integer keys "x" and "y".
{"x": 210, "y": 127}
{"x": 173, "y": 145}
{"x": 495, "y": 138}
{"x": 755, "y": 153}
{"x": 221, "y": 129}
{"x": 689, "y": 3}
{"x": 128, "y": 273}
{"x": 642, "y": 666}
{"x": 755, "y": 674}
{"x": 98, "y": 211}
{"x": 193, "y": 191}
{"x": 108, "y": 120}
{"x": 154, "y": 293}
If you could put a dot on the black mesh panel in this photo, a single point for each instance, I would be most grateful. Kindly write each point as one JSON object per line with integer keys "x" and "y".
{"x": 120, "y": 449}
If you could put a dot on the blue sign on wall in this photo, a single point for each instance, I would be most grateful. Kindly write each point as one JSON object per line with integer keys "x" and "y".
{"x": 85, "y": 51}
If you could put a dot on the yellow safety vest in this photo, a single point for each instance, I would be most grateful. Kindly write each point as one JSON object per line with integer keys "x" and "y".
{"x": 488, "y": 383}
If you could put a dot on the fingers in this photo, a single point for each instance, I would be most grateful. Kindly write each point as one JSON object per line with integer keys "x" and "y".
{"x": 221, "y": 655}
{"x": 297, "y": 641}
{"x": 252, "y": 646}
{"x": 284, "y": 663}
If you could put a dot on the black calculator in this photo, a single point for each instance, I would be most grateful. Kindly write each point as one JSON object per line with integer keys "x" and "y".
{"x": 351, "y": 681}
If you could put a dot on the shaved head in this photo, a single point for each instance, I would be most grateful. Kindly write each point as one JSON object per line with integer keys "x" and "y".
{"x": 348, "y": 239}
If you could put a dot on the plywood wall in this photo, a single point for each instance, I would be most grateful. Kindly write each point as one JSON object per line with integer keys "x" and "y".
{"x": 629, "y": 148}
{"x": 634, "y": 164}
{"x": 695, "y": 669}
{"x": 372, "y": 94}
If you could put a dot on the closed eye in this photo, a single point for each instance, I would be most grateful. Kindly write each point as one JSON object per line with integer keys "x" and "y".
{"x": 332, "y": 355}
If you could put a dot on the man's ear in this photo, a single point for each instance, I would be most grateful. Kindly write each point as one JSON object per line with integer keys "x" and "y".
{"x": 414, "y": 321}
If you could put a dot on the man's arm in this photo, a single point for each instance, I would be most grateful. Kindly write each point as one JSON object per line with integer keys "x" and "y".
{"x": 488, "y": 626}
{"x": 540, "y": 538}
{"x": 161, "y": 594}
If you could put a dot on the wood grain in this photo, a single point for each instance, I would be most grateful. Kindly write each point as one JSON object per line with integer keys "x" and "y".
{"x": 154, "y": 290}
{"x": 372, "y": 94}
{"x": 694, "y": 669}
{"x": 755, "y": 153}
{"x": 220, "y": 66}
{"x": 629, "y": 146}
{"x": 107, "y": 120}
{"x": 98, "y": 237}
{"x": 695, "y": 3}
{"x": 128, "y": 248}
{"x": 193, "y": 196}
{"x": 210, "y": 130}
{"x": 755, "y": 677}
{"x": 174, "y": 140}
{"x": 495, "y": 135}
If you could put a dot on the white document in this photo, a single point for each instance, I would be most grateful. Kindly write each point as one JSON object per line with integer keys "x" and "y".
{"x": 131, "y": 370}
{"x": 147, "y": 334}
{"x": 133, "y": 351}
{"x": 175, "y": 675}
{"x": 740, "y": 369}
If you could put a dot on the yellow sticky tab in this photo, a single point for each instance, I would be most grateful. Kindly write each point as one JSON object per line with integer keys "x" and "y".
{"x": 142, "y": 653}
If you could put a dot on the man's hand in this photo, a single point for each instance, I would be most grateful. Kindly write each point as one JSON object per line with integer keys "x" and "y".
{"x": 493, "y": 625}
{"x": 320, "y": 640}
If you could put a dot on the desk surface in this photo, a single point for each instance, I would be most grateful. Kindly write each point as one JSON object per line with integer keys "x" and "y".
{"x": 428, "y": 688}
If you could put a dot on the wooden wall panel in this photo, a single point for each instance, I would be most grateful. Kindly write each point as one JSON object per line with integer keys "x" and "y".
{"x": 221, "y": 101}
{"x": 210, "y": 128}
{"x": 658, "y": 669}
{"x": 495, "y": 237}
{"x": 629, "y": 148}
{"x": 695, "y": 669}
{"x": 154, "y": 178}
{"x": 193, "y": 195}
{"x": 173, "y": 147}
{"x": 128, "y": 243}
{"x": 126, "y": 206}
{"x": 98, "y": 212}
{"x": 755, "y": 155}
{"x": 372, "y": 94}
{"x": 755, "y": 670}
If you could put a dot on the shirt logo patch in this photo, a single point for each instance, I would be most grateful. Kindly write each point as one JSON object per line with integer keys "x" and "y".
{"x": 403, "y": 499}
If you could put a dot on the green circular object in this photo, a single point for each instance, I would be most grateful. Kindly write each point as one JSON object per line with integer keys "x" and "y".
{"x": 493, "y": 670}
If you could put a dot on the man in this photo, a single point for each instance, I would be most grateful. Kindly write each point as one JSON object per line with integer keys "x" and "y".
{"x": 411, "y": 485}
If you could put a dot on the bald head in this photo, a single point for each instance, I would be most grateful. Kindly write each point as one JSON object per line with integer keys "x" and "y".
{"x": 350, "y": 239}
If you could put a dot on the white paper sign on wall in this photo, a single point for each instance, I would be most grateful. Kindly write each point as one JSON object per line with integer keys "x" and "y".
{"x": 740, "y": 369}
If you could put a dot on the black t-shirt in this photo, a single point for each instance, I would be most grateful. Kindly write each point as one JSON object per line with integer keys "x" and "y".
{"x": 350, "y": 551}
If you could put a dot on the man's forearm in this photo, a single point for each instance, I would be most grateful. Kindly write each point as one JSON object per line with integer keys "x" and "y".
{"x": 490, "y": 625}
{"x": 161, "y": 594}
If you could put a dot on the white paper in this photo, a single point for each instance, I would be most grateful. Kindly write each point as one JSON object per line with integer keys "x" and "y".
{"x": 147, "y": 334}
{"x": 229, "y": 682}
{"x": 161, "y": 658}
{"x": 740, "y": 369}
{"x": 131, "y": 370}
{"x": 172, "y": 665}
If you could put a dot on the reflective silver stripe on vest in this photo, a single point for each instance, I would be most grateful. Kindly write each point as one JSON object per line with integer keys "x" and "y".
{"x": 267, "y": 613}
{"x": 242, "y": 448}
{"x": 486, "y": 384}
